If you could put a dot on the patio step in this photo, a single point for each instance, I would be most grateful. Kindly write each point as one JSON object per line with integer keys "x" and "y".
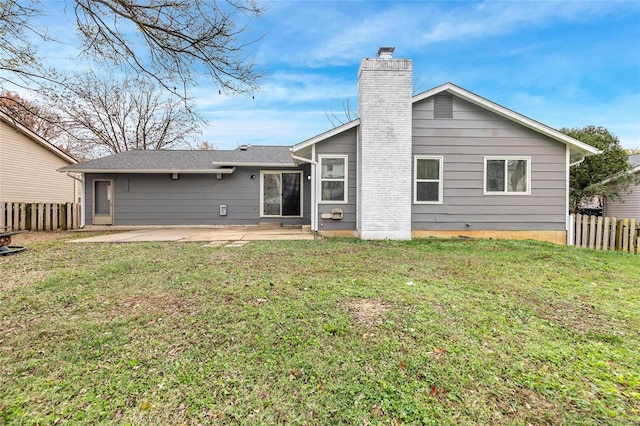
{"x": 270, "y": 225}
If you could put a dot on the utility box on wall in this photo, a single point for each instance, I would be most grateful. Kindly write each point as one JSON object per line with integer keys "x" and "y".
{"x": 223, "y": 209}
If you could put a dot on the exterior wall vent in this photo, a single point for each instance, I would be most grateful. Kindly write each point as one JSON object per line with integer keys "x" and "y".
{"x": 443, "y": 105}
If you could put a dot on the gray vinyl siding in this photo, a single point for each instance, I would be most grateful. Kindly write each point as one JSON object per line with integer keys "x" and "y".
{"x": 463, "y": 141}
{"x": 627, "y": 207}
{"x": 192, "y": 199}
{"x": 341, "y": 144}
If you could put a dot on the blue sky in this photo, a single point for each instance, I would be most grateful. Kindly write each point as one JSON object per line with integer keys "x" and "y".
{"x": 565, "y": 64}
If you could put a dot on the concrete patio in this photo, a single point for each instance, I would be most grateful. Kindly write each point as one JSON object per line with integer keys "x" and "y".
{"x": 214, "y": 235}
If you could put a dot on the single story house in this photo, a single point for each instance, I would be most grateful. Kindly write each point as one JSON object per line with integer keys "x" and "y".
{"x": 628, "y": 206}
{"x": 29, "y": 167}
{"x": 446, "y": 162}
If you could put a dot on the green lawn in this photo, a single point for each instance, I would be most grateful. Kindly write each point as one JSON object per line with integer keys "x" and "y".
{"x": 319, "y": 332}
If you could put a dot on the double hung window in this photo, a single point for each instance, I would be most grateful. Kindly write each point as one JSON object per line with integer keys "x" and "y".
{"x": 427, "y": 185}
{"x": 507, "y": 175}
{"x": 333, "y": 179}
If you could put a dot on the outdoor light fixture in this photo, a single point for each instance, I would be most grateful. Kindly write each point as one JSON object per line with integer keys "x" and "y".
{"x": 253, "y": 176}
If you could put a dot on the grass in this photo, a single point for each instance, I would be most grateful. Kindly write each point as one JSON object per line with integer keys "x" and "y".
{"x": 319, "y": 332}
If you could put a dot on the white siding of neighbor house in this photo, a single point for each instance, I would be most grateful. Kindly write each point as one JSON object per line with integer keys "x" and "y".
{"x": 627, "y": 207}
{"x": 28, "y": 171}
{"x": 463, "y": 141}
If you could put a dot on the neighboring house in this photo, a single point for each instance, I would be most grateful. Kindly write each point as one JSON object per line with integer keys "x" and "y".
{"x": 28, "y": 167}
{"x": 445, "y": 162}
{"x": 628, "y": 206}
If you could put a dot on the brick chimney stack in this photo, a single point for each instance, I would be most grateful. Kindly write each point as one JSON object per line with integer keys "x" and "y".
{"x": 385, "y": 89}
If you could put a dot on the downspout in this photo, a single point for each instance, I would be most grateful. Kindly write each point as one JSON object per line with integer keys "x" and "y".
{"x": 314, "y": 206}
{"x": 82, "y": 196}
{"x": 570, "y": 221}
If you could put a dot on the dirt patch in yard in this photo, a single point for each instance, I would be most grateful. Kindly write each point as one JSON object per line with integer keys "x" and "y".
{"x": 39, "y": 236}
{"x": 161, "y": 304}
{"x": 579, "y": 317}
{"x": 367, "y": 312}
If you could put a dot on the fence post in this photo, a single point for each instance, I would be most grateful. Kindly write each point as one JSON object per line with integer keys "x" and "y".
{"x": 34, "y": 216}
{"x": 578, "y": 228}
{"x": 46, "y": 211}
{"x": 632, "y": 235}
{"x": 69, "y": 216}
{"x": 592, "y": 232}
{"x": 614, "y": 232}
{"x": 620, "y": 236}
{"x": 3, "y": 207}
{"x": 15, "y": 220}
{"x": 599, "y": 234}
{"x": 605, "y": 233}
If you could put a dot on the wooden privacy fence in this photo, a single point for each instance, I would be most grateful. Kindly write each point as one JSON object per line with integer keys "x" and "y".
{"x": 39, "y": 216}
{"x": 605, "y": 233}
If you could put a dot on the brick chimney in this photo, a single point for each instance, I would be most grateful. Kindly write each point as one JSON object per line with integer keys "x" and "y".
{"x": 384, "y": 147}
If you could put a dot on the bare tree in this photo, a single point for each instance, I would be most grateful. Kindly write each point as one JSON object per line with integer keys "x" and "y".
{"x": 350, "y": 113}
{"x": 171, "y": 41}
{"x": 19, "y": 64}
{"x": 102, "y": 115}
{"x": 338, "y": 119}
{"x": 41, "y": 120}
{"x": 205, "y": 146}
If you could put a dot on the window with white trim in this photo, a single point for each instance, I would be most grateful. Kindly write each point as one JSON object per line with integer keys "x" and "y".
{"x": 507, "y": 175}
{"x": 427, "y": 177}
{"x": 333, "y": 178}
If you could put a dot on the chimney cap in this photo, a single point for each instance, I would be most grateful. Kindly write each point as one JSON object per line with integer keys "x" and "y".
{"x": 386, "y": 52}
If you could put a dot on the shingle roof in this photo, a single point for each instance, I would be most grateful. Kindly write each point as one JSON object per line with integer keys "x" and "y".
{"x": 150, "y": 161}
{"x": 634, "y": 160}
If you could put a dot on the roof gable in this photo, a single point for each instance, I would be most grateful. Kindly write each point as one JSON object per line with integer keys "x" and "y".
{"x": 578, "y": 149}
{"x": 11, "y": 122}
{"x": 634, "y": 160}
{"x": 326, "y": 135}
{"x": 574, "y": 144}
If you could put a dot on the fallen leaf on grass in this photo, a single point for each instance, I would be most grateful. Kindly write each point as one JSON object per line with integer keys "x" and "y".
{"x": 401, "y": 366}
{"x": 145, "y": 405}
{"x": 434, "y": 390}
{"x": 376, "y": 409}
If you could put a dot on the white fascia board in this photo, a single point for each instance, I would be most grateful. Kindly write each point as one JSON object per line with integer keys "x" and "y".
{"x": 575, "y": 144}
{"x": 322, "y": 136}
{"x": 225, "y": 171}
{"x": 38, "y": 139}
{"x": 254, "y": 164}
